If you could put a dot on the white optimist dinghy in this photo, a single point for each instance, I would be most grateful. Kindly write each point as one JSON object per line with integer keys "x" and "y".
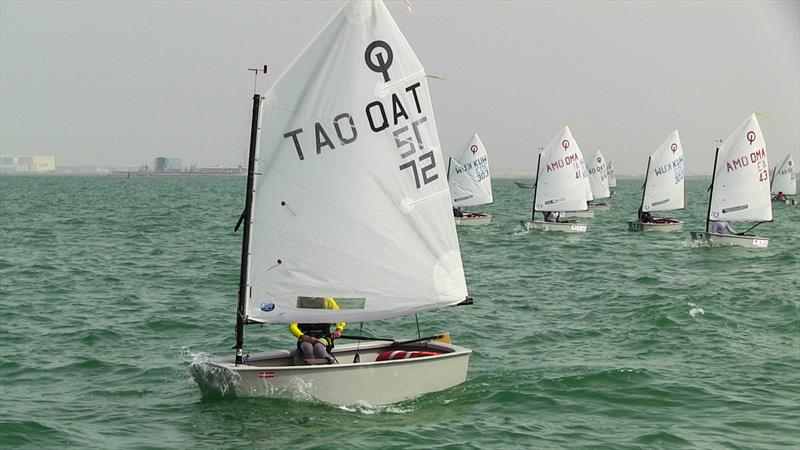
{"x": 612, "y": 178}
{"x": 784, "y": 181}
{"x": 470, "y": 182}
{"x": 663, "y": 188}
{"x": 598, "y": 181}
{"x": 560, "y": 184}
{"x": 523, "y": 185}
{"x": 346, "y": 198}
{"x": 739, "y": 187}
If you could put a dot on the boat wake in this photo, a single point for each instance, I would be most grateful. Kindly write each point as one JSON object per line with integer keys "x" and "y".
{"x": 521, "y": 229}
{"x": 369, "y": 409}
{"x": 213, "y": 380}
{"x": 692, "y": 243}
{"x": 695, "y": 310}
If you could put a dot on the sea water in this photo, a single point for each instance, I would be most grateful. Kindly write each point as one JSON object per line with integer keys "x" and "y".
{"x": 111, "y": 287}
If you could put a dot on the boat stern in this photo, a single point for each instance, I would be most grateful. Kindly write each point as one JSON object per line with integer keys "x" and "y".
{"x": 565, "y": 227}
{"x": 719, "y": 240}
{"x": 481, "y": 219}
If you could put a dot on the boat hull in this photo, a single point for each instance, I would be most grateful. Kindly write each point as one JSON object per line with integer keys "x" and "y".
{"x": 276, "y": 374}
{"x": 474, "y": 220}
{"x": 588, "y": 214}
{"x": 716, "y": 240}
{"x": 522, "y": 185}
{"x": 672, "y": 225}
{"x": 565, "y": 227}
{"x": 787, "y": 201}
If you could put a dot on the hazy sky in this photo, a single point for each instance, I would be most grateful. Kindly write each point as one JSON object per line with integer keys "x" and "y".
{"x": 119, "y": 83}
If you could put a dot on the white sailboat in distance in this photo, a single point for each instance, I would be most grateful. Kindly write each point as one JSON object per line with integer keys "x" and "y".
{"x": 739, "y": 188}
{"x": 470, "y": 183}
{"x": 612, "y": 178}
{"x": 347, "y": 219}
{"x": 663, "y": 188}
{"x": 598, "y": 180}
{"x": 560, "y": 185}
{"x": 524, "y": 185}
{"x": 784, "y": 181}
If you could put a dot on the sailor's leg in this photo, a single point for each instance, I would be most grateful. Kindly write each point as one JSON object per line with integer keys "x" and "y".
{"x": 320, "y": 351}
{"x": 306, "y": 349}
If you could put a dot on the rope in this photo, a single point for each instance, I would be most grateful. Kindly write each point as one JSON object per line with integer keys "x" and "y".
{"x": 357, "y": 357}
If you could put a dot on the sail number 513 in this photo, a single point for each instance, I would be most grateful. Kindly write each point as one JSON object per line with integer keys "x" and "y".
{"x": 408, "y": 141}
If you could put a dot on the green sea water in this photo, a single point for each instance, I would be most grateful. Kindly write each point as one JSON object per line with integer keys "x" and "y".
{"x": 110, "y": 288}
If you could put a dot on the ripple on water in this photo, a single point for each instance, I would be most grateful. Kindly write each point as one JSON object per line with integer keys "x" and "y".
{"x": 32, "y": 434}
{"x": 578, "y": 342}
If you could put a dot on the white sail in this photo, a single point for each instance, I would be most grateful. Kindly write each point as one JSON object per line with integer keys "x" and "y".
{"x": 785, "y": 179}
{"x": 560, "y": 185}
{"x": 469, "y": 177}
{"x": 351, "y": 200}
{"x": 587, "y": 186}
{"x": 598, "y": 176}
{"x": 612, "y": 177}
{"x": 741, "y": 180}
{"x": 664, "y": 188}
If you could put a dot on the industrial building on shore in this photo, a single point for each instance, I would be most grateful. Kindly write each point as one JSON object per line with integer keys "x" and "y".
{"x": 35, "y": 164}
{"x": 165, "y": 165}
{"x": 161, "y": 166}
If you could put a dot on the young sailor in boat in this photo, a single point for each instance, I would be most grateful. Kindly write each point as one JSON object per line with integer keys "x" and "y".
{"x": 645, "y": 216}
{"x": 315, "y": 340}
{"x": 722, "y": 227}
{"x": 551, "y": 216}
{"x": 457, "y": 212}
{"x": 780, "y": 197}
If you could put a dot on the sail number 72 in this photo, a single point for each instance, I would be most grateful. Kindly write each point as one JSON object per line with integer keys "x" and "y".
{"x": 405, "y": 140}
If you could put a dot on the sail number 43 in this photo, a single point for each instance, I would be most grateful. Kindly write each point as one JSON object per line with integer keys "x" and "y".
{"x": 409, "y": 142}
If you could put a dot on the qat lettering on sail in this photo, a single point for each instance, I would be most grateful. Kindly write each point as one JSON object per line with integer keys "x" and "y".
{"x": 599, "y": 169}
{"x": 396, "y": 116}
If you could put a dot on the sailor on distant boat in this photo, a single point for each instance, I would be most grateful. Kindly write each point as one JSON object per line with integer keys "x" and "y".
{"x": 780, "y": 197}
{"x": 722, "y": 227}
{"x": 645, "y": 216}
{"x": 315, "y": 340}
{"x": 551, "y": 216}
{"x": 457, "y": 212}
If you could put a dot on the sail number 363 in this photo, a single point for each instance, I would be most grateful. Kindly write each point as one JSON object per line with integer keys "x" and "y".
{"x": 409, "y": 142}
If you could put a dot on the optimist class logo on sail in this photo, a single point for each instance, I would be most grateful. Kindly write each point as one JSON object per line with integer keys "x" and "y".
{"x": 400, "y": 113}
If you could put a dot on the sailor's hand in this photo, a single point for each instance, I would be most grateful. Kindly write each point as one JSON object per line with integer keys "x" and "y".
{"x": 336, "y": 333}
{"x": 309, "y": 339}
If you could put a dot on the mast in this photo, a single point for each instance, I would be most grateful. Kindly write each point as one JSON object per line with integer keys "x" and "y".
{"x": 536, "y": 188}
{"x": 711, "y": 195}
{"x": 248, "y": 209}
{"x": 449, "y": 161}
{"x": 772, "y": 179}
{"x": 644, "y": 186}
